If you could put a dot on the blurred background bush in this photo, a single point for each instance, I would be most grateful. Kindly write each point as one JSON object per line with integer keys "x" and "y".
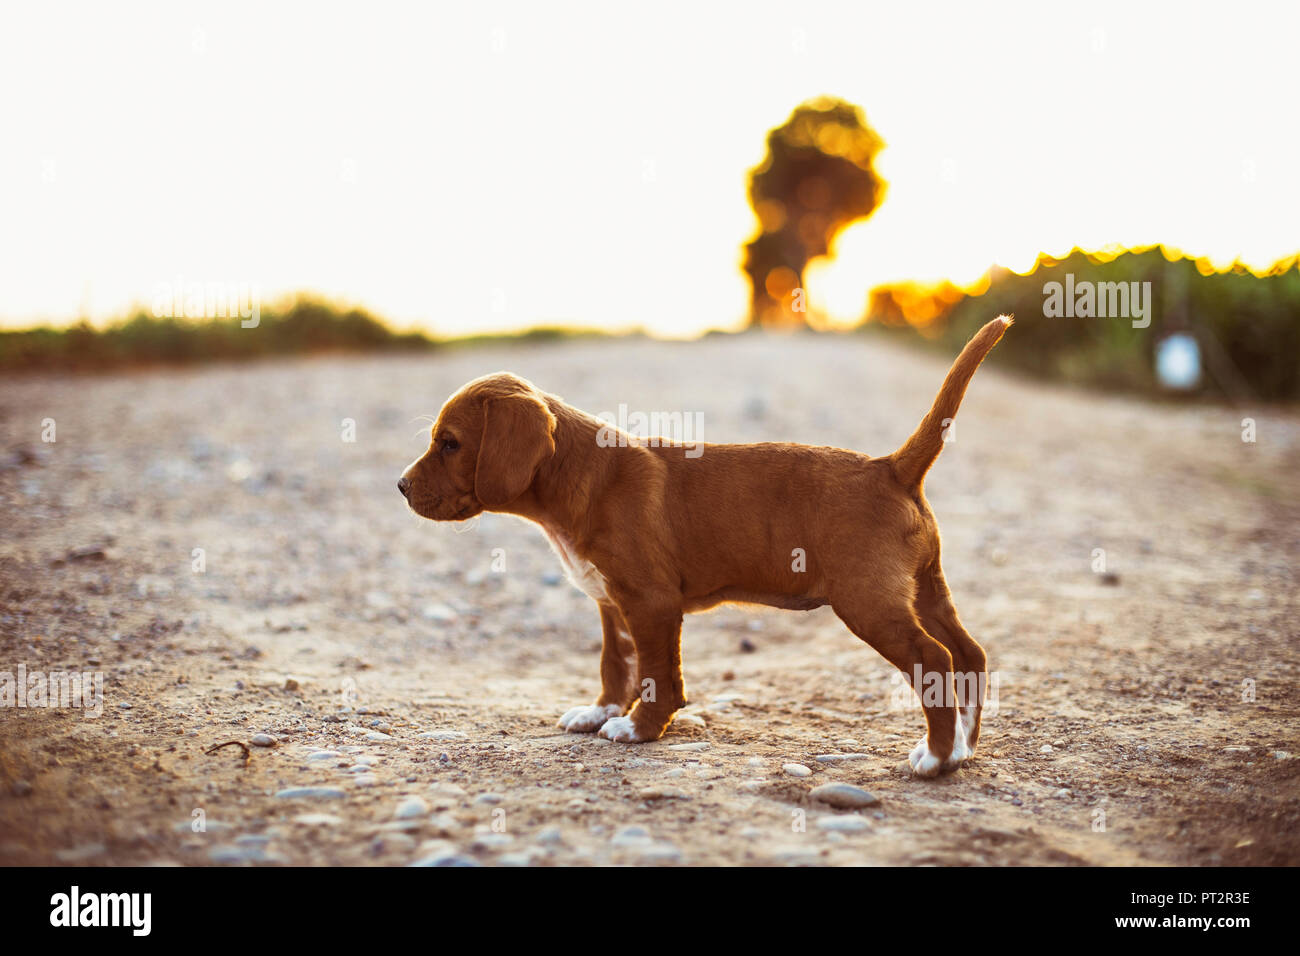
{"x": 1246, "y": 327}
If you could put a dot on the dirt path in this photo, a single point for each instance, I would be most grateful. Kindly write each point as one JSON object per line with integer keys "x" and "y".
{"x": 416, "y": 685}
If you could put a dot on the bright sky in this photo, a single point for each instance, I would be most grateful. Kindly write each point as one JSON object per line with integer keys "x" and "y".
{"x": 472, "y": 170}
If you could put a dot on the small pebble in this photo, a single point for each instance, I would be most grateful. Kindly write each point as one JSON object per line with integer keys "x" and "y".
{"x": 440, "y": 613}
{"x": 844, "y": 795}
{"x": 232, "y": 853}
{"x": 522, "y": 858}
{"x": 443, "y": 824}
{"x": 391, "y": 843}
{"x": 659, "y": 851}
{"x": 630, "y": 836}
{"x": 410, "y": 808}
{"x": 845, "y": 824}
{"x": 662, "y": 793}
{"x": 311, "y": 793}
{"x": 80, "y": 853}
{"x": 447, "y": 859}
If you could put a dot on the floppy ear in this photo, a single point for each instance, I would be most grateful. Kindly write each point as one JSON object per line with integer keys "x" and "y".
{"x": 518, "y": 435}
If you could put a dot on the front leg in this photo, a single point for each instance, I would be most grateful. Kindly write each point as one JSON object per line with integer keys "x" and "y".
{"x": 615, "y": 677}
{"x": 655, "y": 621}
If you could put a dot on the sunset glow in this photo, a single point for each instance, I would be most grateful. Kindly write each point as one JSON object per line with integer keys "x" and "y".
{"x": 469, "y": 171}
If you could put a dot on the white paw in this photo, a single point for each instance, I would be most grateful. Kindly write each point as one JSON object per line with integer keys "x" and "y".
{"x": 583, "y": 720}
{"x": 620, "y": 730}
{"x": 967, "y": 715}
{"x": 926, "y": 764}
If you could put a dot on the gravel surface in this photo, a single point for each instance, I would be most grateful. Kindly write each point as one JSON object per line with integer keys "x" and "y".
{"x": 208, "y": 541}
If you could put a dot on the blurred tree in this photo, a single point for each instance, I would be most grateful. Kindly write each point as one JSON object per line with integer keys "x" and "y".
{"x": 817, "y": 178}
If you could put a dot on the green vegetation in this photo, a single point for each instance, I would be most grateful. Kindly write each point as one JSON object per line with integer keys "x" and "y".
{"x": 302, "y": 325}
{"x": 1247, "y": 326}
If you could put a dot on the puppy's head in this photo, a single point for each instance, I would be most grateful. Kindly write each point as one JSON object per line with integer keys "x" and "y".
{"x": 484, "y": 452}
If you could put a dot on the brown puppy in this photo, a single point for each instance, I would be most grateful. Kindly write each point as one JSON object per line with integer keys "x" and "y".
{"x": 651, "y": 533}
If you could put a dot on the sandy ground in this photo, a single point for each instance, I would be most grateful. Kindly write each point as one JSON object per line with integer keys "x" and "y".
{"x": 1145, "y": 715}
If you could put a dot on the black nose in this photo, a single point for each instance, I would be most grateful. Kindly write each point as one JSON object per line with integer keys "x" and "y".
{"x": 404, "y": 486}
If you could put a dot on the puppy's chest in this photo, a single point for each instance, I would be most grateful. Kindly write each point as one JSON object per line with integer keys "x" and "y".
{"x": 581, "y": 572}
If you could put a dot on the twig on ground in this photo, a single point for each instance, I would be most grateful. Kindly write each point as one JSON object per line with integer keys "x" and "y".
{"x": 232, "y": 743}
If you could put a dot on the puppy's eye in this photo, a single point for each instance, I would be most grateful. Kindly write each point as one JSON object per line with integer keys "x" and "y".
{"x": 450, "y": 444}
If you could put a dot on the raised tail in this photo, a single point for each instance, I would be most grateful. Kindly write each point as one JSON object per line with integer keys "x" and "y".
{"x": 913, "y": 460}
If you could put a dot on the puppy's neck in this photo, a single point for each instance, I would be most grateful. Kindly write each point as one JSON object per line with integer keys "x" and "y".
{"x": 567, "y": 483}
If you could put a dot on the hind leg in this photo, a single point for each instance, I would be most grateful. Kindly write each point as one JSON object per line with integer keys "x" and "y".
{"x": 897, "y": 634}
{"x": 938, "y": 616}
